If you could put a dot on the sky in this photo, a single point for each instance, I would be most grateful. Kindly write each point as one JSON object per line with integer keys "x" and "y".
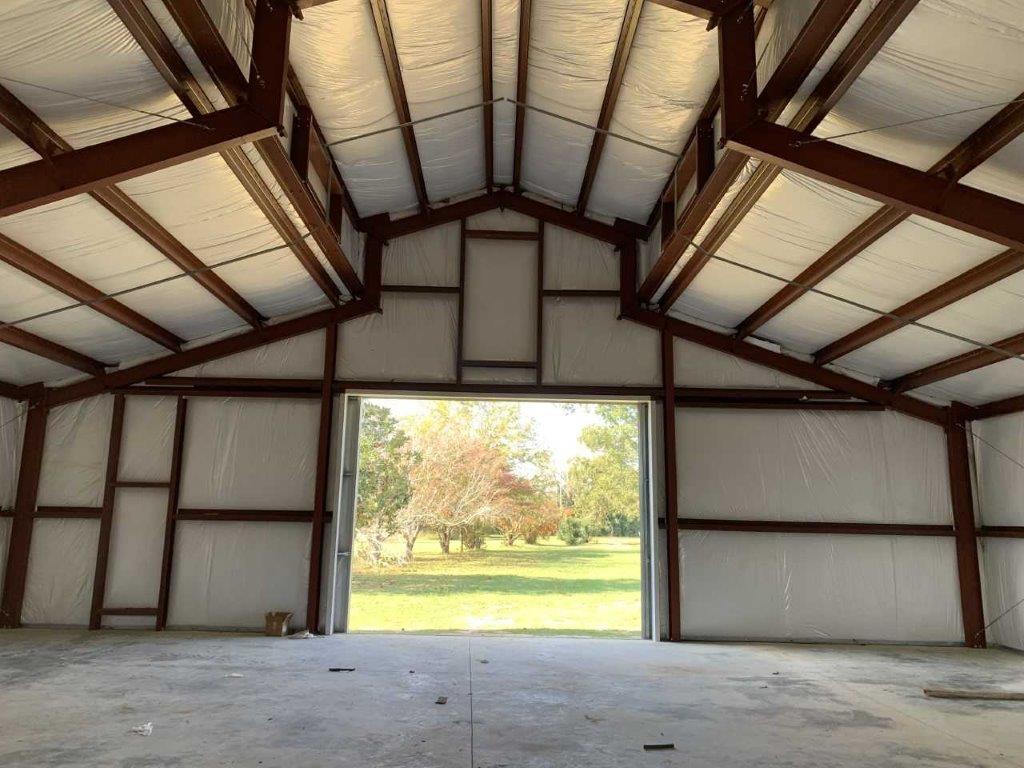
{"x": 558, "y": 428}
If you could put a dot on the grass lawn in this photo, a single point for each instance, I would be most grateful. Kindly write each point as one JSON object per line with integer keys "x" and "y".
{"x": 546, "y": 588}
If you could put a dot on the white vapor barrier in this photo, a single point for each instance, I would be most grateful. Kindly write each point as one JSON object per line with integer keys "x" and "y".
{"x": 146, "y": 438}
{"x": 75, "y": 453}
{"x": 81, "y": 47}
{"x": 61, "y": 567}
{"x": 998, "y": 453}
{"x": 811, "y": 466}
{"x": 697, "y": 366}
{"x": 572, "y": 43}
{"x": 498, "y": 218}
{"x": 298, "y": 357}
{"x": 817, "y": 587}
{"x": 430, "y": 257}
{"x": 947, "y": 57}
{"x": 228, "y": 574}
{"x": 136, "y": 548}
{"x": 668, "y": 77}
{"x": 1004, "y": 586}
{"x": 998, "y": 447}
{"x": 20, "y": 367}
{"x": 336, "y": 55}
{"x": 12, "y": 433}
{"x": 249, "y": 454}
{"x": 993, "y": 382}
{"x": 504, "y": 63}
{"x": 500, "y": 306}
{"x": 413, "y": 339}
{"x": 5, "y": 540}
{"x": 438, "y": 47}
{"x": 586, "y": 343}
{"x": 572, "y": 260}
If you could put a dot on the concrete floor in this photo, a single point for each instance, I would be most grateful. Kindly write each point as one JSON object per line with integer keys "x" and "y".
{"x": 70, "y": 698}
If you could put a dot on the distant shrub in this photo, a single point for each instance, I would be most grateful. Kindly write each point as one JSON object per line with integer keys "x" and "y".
{"x": 573, "y": 531}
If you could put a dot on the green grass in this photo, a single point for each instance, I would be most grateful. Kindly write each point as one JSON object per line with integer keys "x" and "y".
{"x": 546, "y": 588}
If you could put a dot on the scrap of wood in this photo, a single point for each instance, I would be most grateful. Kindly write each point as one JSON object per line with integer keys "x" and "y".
{"x": 939, "y": 693}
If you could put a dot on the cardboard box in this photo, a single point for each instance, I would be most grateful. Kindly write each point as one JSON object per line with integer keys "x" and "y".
{"x": 277, "y": 623}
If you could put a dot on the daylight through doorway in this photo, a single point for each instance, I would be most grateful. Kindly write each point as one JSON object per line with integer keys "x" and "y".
{"x": 498, "y": 516}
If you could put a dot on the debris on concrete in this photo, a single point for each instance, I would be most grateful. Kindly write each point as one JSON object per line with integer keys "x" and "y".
{"x": 441, "y": 700}
{"x": 146, "y": 729}
{"x": 302, "y": 634}
{"x": 659, "y": 747}
{"x": 341, "y": 669}
{"x": 234, "y": 674}
{"x": 484, "y": 661}
{"x": 939, "y": 693}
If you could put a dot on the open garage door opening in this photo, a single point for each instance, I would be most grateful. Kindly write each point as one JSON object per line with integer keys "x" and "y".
{"x": 498, "y": 516}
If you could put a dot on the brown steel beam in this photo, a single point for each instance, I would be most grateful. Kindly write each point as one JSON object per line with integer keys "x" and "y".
{"x": 780, "y": 526}
{"x": 985, "y": 274}
{"x": 37, "y": 345}
{"x": 968, "y": 571}
{"x": 31, "y": 130}
{"x": 202, "y": 35}
{"x": 499, "y": 234}
{"x": 393, "y": 67}
{"x": 1002, "y": 531}
{"x": 961, "y": 160}
{"x": 69, "y": 513}
{"x": 171, "y": 515}
{"x": 618, "y": 234}
{"x": 12, "y": 391}
{"x": 100, "y": 165}
{"x": 34, "y": 265}
{"x": 954, "y": 366}
{"x": 630, "y": 23}
{"x": 211, "y": 351}
{"x": 817, "y": 34}
{"x": 707, "y": 9}
{"x": 738, "y": 91}
{"x": 790, "y": 365}
{"x": 403, "y": 288}
{"x": 99, "y": 582}
{"x": 247, "y": 515}
{"x": 487, "y": 78}
{"x": 522, "y": 70}
{"x": 323, "y": 462}
{"x": 685, "y": 167}
{"x": 20, "y": 537}
{"x": 957, "y": 205}
{"x": 1001, "y": 407}
{"x": 671, "y": 481}
{"x": 538, "y": 348}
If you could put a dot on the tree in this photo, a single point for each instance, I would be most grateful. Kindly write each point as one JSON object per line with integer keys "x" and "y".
{"x": 455, "y": 482}
{"x": 524, "y": 511}
{"x": 605, "y": 486}
{"x": 383, "y": 488}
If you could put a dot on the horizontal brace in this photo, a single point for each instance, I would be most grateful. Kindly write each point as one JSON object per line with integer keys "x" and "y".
{"x": 129, "y": 611}
{"x": 778, "y": 405}
{"x": 500, "y": 234}
{"x": 255, "y": 394}
{"x": 1002, "y": 531}
{"x": 581, "y": 293}
{"x": 499, "y": 364}
{"x": 436, "y": 289}
{"x": 249, "y": 515}
{"x": 956, "y": 205}
{"x": 773, "y": 526}
{"x": 68, "y": 512}
{"x": 82, "y": 170}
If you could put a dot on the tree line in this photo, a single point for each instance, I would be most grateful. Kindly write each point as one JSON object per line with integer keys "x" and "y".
{"x": 465, "y": 470}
